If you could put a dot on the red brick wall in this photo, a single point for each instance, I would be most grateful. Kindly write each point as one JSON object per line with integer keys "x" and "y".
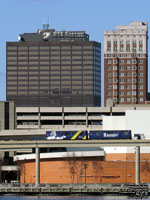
{"x": 73, "y": 171}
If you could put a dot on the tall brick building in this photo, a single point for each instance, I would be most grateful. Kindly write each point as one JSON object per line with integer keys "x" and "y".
{"x": 54, "y": 68}
{"x": 125, "y": 64}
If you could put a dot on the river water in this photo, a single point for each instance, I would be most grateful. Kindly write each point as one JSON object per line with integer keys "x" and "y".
{"x": 66, "y": 198}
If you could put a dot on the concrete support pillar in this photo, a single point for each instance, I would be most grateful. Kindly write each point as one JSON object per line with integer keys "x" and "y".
{"x": 137, "y": 166}
{"x": 37, "y": 169}
{"x": 39, "y": 118}
{"x": 63, "y": 118}
{"x": 86, "y": 117}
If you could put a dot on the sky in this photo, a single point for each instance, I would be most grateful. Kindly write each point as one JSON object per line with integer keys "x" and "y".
{"x": 92, "y": 16}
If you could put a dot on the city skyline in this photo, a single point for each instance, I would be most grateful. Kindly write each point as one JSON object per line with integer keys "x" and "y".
{"x": 75, "y": 15}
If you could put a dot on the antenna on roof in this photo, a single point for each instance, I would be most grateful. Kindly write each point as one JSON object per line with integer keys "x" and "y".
{"x": 46, "y": 26}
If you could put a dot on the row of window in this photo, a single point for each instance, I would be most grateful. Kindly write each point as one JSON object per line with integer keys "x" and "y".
{"x": 128, "y": 80}
{"x": 122, "y": 42}
{"x": 128, "y": 49}
{"x": 124, "y": 61}
{"x": 135, "y": 55}
{"x": 34, "y": 48}
{"x": 122, "y": 74}
{"x": 115, "y": 67}
{"x": 123, "y": 87}
{"x": 122, "y": 100}
{"x": 133, "y": 93}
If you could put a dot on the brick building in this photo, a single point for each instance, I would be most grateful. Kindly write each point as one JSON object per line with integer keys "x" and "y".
{"x": 125, "y": 64}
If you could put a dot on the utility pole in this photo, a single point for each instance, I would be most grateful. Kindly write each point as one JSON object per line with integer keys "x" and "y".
{"x": 85, "y": 167}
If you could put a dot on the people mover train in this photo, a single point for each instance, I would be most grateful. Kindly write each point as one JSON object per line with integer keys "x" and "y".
{"x": 88, "y": 135}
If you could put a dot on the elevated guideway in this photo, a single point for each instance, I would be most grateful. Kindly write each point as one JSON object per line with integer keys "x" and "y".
{"x": 12, "y": 144}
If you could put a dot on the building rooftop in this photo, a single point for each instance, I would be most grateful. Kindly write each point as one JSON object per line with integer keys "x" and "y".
{"x": 47, "y": 34}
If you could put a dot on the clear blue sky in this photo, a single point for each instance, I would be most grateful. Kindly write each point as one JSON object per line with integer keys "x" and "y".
{"x": 93, "y": 16}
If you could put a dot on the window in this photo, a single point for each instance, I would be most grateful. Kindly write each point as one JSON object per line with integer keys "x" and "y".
{"x": 109, "y": 55}
{"x": 115, "y": 62}
{"x": 133, "y": 99}
{"x": 134, "y": 55}
{"x": 121, "y": 67}
{"x": 128, "y": 86}
{"x": 141, "y": 55}
{"x": 140, "y": 86}
{"x": 141, "y": 61}
{"x": 128, "y": 56}
{"x": 140, "y": 42}
{"x": 109, "y": 61}
{"x": 128, "y": 67}
{"x": 134, "y": 49}
{"x": 108, "y": 67}
{"x": 121, "y": 99}
{"x": 128, "y": 49}
{"x": 109, "y": 42}
{"x": 122, "y": 74}
{"x": 128, "y": 74}
{"x": 127, "y": 42}
{"x": 115, "y": 48}
{"x": 134, "y": 74}
{"x": 140, "y": 74}
{"x": 133, "y": 86}
{"x": 134, "y": 42}
{"x": 128, "y": 80}
{"x": 134, "y": 93}
{"x": 121, "y": 55}
{"x": 140, "y": 67}
{"x": 108, "y": 80}
{"x": 115, "y": 93}
{"x": 121, "y": 93}
{"x": 128, "y": 61}
{"x": 115, "y": 99}
{"x": 109, "y": 74}
{"x": 128, "y": 99}
{"x": 141, "y": 99}
{"x": 128, "y": 93}
{"x": 108, "y": 86}
{"x": 134, "y": 67}
{"x": 121, "y": 61}
{"x": 141, "y": 80}
{"x": 121, "y": 86}
{"x": 115, "y": 42}
{"x": 114, "y": 67}
{"x": 141, "y": 49}
{"x": 133, "y": 80}
{"x": 114, "y": 86}
{"x": 109, "y": 93}
{"x": 140, "y": 93}
{"x": 115, "y": 80}
{"x": 121, "y": 42}
{"x": 133, "y": 61}
{"x": 121, "y": 49}
{"x": 115, "y": 74}
{"x": 121, "y": 80}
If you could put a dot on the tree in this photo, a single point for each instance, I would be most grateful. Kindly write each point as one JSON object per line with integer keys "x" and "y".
{"x": 97, "y": 168}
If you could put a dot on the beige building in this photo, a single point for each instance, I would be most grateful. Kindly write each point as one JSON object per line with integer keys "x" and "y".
{"x": 125, "y": 64}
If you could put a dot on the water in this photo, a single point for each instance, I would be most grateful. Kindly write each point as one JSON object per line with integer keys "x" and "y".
{"x": 65, "y": 198}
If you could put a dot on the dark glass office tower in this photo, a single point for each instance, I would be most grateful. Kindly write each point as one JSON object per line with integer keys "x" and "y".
{"x": 54, "y": 68}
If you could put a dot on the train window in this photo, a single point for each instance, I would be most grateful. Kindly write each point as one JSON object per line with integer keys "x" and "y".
{"x": 97, "y": 133}
{"x": 67, "y": 133}
{"x": 124, "y": 133}
{"x": 81, "y": 133}
{"x": 60, "y": 134}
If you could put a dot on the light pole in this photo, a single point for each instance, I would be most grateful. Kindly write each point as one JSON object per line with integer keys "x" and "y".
{"x": 85, "y": 167}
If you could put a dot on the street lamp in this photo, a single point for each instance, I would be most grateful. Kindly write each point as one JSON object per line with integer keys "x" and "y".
{"x": 85, "y": 167}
